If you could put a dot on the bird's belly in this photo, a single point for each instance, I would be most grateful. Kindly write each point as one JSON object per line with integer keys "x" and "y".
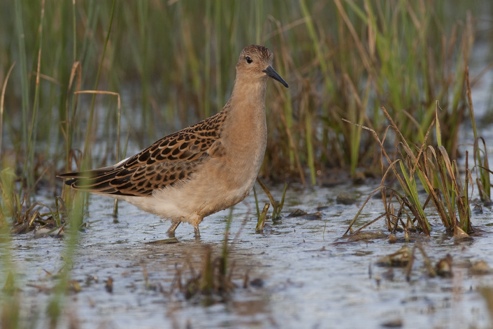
{"x": 218, "y": 185}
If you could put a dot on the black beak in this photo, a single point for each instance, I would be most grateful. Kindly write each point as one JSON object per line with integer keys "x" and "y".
{"x": 273, "y": 74}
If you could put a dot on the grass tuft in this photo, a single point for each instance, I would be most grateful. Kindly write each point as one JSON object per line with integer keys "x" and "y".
{"x": 213, "y": 283}
{"x": 428, "y": 167}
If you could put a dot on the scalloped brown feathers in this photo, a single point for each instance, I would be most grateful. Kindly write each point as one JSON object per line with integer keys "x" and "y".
{"x": 169, "y": 160}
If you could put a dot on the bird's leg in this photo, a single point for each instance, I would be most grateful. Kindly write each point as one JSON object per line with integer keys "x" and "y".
{"x": 195, "y": 220}
{"x": 172, "y": 228}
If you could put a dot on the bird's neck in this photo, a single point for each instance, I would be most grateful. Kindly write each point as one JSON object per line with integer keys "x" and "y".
{"x": 246, "y": 121}
{"x": 248, "y": 94}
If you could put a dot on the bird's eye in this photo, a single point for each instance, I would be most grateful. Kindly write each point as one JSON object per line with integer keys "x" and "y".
{"x": 248, "y": 59}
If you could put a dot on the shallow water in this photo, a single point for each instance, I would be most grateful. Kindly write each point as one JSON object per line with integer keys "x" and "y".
{"x": 311, "y": 278}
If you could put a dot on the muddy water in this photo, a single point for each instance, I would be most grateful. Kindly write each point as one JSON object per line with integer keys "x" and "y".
{"x": 309, "y": 277}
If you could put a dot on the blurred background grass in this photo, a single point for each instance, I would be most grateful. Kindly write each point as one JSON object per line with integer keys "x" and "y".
{"x": 172, "y": 63}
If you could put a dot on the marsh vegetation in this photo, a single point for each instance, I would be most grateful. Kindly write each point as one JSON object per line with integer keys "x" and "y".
{"x": 379, "y": 94}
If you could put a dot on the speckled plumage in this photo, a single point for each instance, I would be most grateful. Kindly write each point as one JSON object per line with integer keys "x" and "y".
{"x": 200, "y": 169}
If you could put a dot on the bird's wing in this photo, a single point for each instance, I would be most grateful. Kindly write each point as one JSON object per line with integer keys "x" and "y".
{"x": 171, "y": 159}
